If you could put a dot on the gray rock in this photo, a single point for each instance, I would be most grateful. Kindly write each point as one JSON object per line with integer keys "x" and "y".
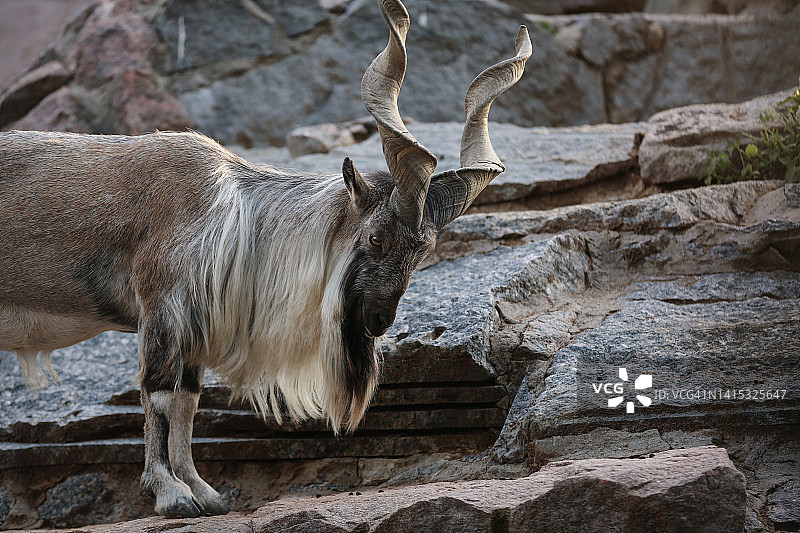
{"x": 441, "y": 64}
{"x": 91, "y": 372}
{"x": 317, "y": 139}
{"x": 792, "y": 193}
{"x": 718, "y": 287}
{"x": 697, "y": 489}
{"x": 679, "y": 141}
{"x": 450, "y": 310}
{"x": 613, "y": 443}
{"x": 5, "y": 507}
{"x": 784, "y": 506}
{"x": 77, "y": 500}
{"x": 657, "y": 62}
{"x": 675, "y": 211}
{"x": 538, "y": 160}
{"x": 699, "y": 371}
{"x": 220, "y": 31}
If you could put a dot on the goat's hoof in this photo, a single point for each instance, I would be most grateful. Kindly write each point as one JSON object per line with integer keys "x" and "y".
{"x": 181, "y": 508}
{"x": 216, "y": 508}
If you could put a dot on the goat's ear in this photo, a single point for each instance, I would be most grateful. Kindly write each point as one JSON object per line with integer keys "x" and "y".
{"x": 356, "y": 185}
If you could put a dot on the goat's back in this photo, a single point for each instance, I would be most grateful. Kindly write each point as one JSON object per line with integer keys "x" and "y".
{"x": 84, "y": 219}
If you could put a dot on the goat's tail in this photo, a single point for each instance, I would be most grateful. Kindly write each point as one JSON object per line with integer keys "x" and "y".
{"x": 37, "y": 372}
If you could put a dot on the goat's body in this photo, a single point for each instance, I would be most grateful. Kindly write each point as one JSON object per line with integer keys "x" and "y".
{"x": 214, "y": 261}
{"x": 173, "y": 228}
{"x": 62, "y": 221}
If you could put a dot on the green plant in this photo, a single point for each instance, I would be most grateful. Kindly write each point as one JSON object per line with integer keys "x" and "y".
{"x": 773, "y": 154}
{"x": 548, "y": 27}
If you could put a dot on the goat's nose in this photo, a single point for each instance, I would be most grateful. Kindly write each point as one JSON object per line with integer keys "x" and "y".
{"x": 381, "y": 320}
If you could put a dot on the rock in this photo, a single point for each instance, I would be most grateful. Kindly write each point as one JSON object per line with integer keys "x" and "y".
{"x": 565, "y": 7}
{"x": 784, "y": 506}
{"x": 30, "y": 89}
{"x": 700, "y": 371}
{"x": 439, "y": 71}
{"x": 5, "y": 507}
{"x": 77, "y": 500}
{"x": 31, "y": 27}
{"x": 245, "y": 89}
{"x": 108, "y": 46}
{"x": 538, "y": 161}
{"x": 697, "y": 489}
{"x": 679, "y": 141}
{"x": 792, "y": 193}
{"x": 141, "y": 106}
{"x": 450, "y": 308}
{"x": 318, "y": 139}
{"x": 62, "y": 110}
{"x": 222, "y": 31}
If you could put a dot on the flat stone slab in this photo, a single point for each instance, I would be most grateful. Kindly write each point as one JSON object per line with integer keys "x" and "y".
{"x": 679, "y": 141}
{"x": 697, "y": 489}
{"x": 450, "y": 309}
{"x": 726, "y": 360}
{"x": 538, "y": 160}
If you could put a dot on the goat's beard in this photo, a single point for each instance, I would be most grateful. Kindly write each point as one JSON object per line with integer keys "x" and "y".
{"x": 360, "y": 371}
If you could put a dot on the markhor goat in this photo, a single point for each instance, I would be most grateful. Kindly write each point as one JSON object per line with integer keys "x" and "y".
{"x": 277, "y": 280}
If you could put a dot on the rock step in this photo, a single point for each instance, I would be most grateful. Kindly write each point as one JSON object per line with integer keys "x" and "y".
{"x": 131, "y": 450}
{"x": 698, "y": 489}
{"x": 394, "y": 395}
{"x": 128, "y": 422}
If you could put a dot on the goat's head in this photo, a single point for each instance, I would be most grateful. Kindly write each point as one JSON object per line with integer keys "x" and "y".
{"x": 402, "y": 211}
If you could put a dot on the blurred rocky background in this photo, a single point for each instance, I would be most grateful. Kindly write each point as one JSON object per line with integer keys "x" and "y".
{"x": 598, "y": 249}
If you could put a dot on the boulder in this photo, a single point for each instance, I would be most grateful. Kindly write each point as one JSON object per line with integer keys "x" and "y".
{"x": 61, "y": 110}
{"x": 784, "y": 506}
{"x": 25, "y": 93}
{"x": 109, "y": 45}
{"x": 141, "y": 106}
{"x": 679, "y": 141}
{"x": 219, "y": 31}
{"x": 317, "y": 139}
{"x": 697, "y": 489}
{"x": 654, "y": 62}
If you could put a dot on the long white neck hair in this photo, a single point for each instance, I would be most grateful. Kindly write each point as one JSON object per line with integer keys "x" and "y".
{"x": 264, "y": 304}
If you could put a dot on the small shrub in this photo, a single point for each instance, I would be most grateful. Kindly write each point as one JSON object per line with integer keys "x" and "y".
{"x": 773, "y": 154}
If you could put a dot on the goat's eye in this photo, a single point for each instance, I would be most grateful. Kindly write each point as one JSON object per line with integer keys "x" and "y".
{"x": 374, "y": 241}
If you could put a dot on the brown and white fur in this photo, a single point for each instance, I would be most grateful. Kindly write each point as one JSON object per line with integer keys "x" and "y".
{"x": 279, "y": 281}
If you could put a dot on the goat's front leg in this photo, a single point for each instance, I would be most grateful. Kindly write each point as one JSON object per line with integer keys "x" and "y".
{"x": 169, "y": 398}
{"x": 184, "y": 406}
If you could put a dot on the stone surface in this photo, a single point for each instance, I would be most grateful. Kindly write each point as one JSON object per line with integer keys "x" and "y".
{"x": 5, "y": 507}
{"x": 62, "y": 110}
{"x": 318, "y": 139}
{"x": 30, "y": 89}
{"x": 108, "y": 46}
{"x": 85, "y": 495}
{"x": 539, "y": 161}
{"x": 599, "y": 494}
{"x": 451, "y": 308}
{"x": 220, "y": 31}
{"x": 679, "y": 141}
{"x": 142, "y": 107}
{"x": 240, "y": 62}
{"x": 784, "y": 506}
